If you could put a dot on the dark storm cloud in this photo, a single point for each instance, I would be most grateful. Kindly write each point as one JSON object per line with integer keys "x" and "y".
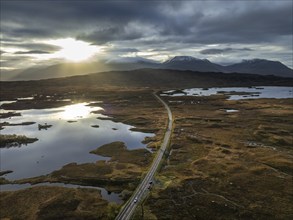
{"x": 162, "y": 26}
{"x": 32, "y": 52}
{"x": 39, "y": 32}
{"x": 224, "y": 50}
{"x": 105, "y": 21}
{"x": 60, "y": 17}
{"x": 110, "y": 34}
{"x": 32, "y": 46}
{"x": 123, "y": 50}
{"x": 251, "y": 26}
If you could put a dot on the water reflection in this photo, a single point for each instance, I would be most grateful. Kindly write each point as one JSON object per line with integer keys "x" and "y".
{"x": 64, "y": 142}
{"x": 76, "y": 111}
{"x": 278, "y": 92}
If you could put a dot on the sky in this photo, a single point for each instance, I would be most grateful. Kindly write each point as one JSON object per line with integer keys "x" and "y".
{"x": 38, "y": 32}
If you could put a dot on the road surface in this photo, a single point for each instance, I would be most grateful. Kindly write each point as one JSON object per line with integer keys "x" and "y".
{"x": 142, "y": 190}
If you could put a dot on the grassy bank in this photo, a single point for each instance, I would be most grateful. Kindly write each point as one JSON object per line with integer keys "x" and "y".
{"x": 14, "y": 140}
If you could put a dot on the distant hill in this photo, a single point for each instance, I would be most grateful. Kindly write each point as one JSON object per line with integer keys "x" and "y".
{"x": 262, "y": 67}
{"x": 60, "y": 70}
{"x": 158, "y": 79}
{"x": 255, "y": 66}
{"x": 191, "y": 63}
{"x": 73, "y": 69}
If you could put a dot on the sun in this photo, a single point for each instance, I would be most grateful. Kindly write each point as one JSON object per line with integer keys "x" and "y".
{"x": 74, "y": 50}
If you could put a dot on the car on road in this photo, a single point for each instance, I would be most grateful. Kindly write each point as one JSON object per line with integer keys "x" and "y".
{"x": 135, "y": 200}
{"x": 150, "y": 184}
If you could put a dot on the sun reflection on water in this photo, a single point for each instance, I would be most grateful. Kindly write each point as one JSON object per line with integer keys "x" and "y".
{"x": 76, "y": 111}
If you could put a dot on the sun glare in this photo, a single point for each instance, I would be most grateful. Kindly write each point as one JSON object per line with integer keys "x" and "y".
{"x": 76, "y": 111}
{"x": 74, "y": 50}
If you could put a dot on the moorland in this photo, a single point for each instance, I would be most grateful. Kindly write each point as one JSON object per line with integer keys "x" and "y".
{"x": 219, "y": 165}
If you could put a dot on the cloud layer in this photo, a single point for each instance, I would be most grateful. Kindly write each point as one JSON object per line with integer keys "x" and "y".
{"x": 223, "y": 31}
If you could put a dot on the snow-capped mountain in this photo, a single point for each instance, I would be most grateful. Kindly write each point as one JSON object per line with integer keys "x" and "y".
{"x": 255, "y": 66}
{"x": 181, "y": 59}
{"x": 191, "y": 63}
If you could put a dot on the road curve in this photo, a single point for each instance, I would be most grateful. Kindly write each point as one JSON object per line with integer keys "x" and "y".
{"x": 142, "y": 190}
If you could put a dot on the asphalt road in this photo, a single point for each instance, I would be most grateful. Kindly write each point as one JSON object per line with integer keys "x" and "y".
{"x": 142, "y": 190}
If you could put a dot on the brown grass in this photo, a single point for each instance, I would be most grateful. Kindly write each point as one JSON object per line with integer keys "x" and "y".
{"x": 118, "y": 152}
{"x": 44, "y": 202}
{"x": 212, "y": 172}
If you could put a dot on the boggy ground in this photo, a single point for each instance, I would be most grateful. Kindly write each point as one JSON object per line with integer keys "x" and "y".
{"x": 136, "y": 108}
{"x": 226, "y": 165}
{"x": 121, "y": 173}
{"x": 127, "y": 98}
{"x": 43, "y": 202}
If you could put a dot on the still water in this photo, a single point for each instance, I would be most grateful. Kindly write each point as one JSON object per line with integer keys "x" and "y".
{"x": 278, "y": 92}
{"x": 70, "y": 139}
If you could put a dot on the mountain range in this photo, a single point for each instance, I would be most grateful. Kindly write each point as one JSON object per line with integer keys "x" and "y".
{"x": 254, "y": 66}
